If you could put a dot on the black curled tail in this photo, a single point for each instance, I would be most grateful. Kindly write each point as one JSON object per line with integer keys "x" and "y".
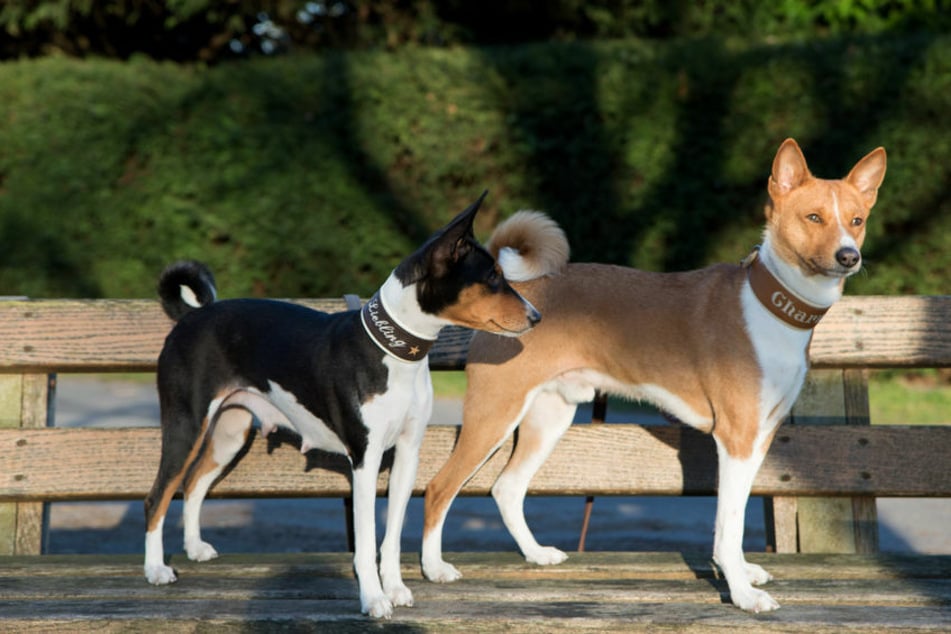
{"x": 185, "y": 286}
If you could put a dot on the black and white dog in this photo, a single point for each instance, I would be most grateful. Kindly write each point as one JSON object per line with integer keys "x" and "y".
{"x": 355, "y": 383}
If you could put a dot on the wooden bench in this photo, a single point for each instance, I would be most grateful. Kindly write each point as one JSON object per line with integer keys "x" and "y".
{"x": 821, "y": 478}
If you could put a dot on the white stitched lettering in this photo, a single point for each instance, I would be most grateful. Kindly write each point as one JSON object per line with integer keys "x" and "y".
{"x": 384, "y": 327}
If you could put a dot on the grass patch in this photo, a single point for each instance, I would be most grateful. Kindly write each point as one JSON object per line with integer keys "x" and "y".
{"x": 449, "y": 384}
{"x": 909, "y": 399}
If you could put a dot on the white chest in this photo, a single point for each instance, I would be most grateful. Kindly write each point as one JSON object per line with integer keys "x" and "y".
{"x": 406, "y": 402}
{"x": 781, "y": 355}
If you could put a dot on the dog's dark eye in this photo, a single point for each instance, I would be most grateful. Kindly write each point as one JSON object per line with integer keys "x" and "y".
{"x": 816, "y": 218}
{"x": 857, "y": 222}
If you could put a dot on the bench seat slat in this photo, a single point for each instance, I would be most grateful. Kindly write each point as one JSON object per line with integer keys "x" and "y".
{"x": 601, "y": 591}
{"x": 40, "y": 464}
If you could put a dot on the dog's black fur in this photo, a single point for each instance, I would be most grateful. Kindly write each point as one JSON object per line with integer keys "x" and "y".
{"x": 238, "y": 352}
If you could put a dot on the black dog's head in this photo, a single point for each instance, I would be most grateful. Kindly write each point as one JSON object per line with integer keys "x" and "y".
{"x": 459, "y": 281}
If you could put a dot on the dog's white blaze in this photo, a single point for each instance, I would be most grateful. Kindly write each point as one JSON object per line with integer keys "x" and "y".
{"x": 845, "y": 238}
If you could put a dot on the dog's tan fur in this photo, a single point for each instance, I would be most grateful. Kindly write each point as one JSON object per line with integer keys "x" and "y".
{"x": 690, "y": 342}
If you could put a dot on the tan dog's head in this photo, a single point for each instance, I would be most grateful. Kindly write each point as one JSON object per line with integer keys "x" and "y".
{"x": 815, "y": 224}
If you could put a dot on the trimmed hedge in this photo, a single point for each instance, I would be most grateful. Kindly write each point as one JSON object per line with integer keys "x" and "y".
{"x": 314, "y": 175}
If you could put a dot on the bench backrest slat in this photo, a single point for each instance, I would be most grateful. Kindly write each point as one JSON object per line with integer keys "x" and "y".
{"x": 109, "y": 464}
{"x": 127, "y": 335}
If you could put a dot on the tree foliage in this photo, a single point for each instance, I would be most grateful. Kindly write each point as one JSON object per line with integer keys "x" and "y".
{"x": 211, "y": 30}
{"x": 313, "y": 175}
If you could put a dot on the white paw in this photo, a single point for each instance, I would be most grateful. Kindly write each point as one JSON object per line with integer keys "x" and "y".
{"x": 441, "y": 572}
{"x": 378, "y": 606}
{"x": 753, "y": 600}
{"x": 400, "y": 596}
{"x": 757, "y": 575}
{"x": 202, "y": 551}
{"x": 546, "y": 556}
{"x": 160, "y": 575}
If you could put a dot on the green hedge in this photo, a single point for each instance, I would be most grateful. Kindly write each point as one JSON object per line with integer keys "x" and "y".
{"x": 313, "y": 175}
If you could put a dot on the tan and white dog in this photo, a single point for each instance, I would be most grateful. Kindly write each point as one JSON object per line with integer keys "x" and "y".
{"x": 723, "y": 349}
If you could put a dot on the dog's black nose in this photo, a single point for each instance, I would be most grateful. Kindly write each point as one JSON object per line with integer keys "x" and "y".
{"x": 848, "y": 257}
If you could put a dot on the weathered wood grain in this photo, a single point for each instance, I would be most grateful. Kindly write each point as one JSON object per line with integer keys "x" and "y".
{"x": 499, "y": 593}
{"x": 43, "y": 464}
{"x": 126, "y": 335}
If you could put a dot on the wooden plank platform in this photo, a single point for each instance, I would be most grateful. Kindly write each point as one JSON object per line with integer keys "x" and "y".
{"x": 671, "y": 460}
{"x": 627, "y": 592}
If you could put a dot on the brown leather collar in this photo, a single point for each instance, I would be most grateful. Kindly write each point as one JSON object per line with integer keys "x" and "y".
{"x": 389, "y": 335}
{"x": 778, "y": 299}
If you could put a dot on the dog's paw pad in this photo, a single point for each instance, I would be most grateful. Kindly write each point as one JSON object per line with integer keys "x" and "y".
{"x": 441, "y": 572}
{"x": 203, "y": 551}
{"x": 160, "y": 575}
{"x": 378, "y": 607}
{"x": 546, "y": 556}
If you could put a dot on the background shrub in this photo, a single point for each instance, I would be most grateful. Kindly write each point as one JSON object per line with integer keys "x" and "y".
{"x": 312, "y": 175}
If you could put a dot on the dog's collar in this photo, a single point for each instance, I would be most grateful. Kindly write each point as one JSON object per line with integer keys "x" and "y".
{"x": 389, "y": 335}
{"x": 779, "y": 300}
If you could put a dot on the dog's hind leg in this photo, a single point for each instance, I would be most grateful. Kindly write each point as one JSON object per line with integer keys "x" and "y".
{"x": 544, "y": 424}
{"x": 229, "y": 434}
{"x": 180, "y": 447}
{"x": 487, "y": 424}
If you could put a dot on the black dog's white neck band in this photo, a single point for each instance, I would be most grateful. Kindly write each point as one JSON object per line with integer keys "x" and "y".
{"x": 389, "y": 335}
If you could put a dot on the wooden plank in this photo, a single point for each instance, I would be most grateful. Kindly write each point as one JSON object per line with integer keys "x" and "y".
{"x": 805, "y": 460}
{"x": 877, "y": 331}
{"x": 858, "y": 412}
{"x": 23, "y": 405}
{"x": 835, "y": 397}
{"x": 475, "y": 617}
{"x": 11, "y": 387}
{"x": 499, "y": 593}
{"x": 824, "y": 525}
{"x": 603, "y": 589}
{"x": 126, "y": 335}
{"x": 38, "y": 391}
{"x": 508, "y": 565}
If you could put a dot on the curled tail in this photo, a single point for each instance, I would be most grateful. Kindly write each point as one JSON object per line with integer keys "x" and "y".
{"x": 185, "y": 286}
{"x": 529, "y": 245}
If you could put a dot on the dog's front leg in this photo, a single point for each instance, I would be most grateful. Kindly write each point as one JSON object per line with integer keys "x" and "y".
{"x": 736, "y": 477}
{"x": 402, "y": 479}
{"x": 373, "y": 601}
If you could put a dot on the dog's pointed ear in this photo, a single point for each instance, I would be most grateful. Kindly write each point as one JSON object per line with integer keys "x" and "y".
{"x": 445, "y": 247}
{"x": 868, "y": 174}
{"x": 789, "y": 169}
{"x": 456, "y": 238}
